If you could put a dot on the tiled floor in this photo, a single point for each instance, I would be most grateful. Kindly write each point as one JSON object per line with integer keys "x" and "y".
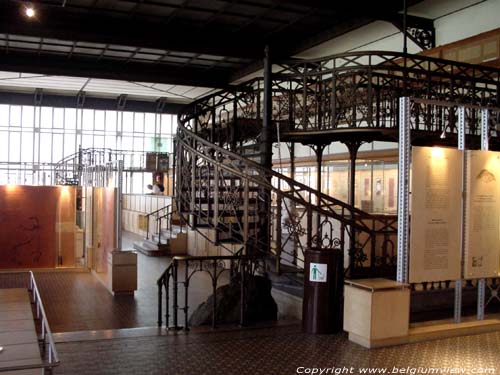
{"x": 269, "y": 351}
{"x": 76, "y": 301}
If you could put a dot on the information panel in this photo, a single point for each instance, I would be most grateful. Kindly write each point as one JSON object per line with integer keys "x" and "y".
{"x": 482, "y": 239}
{"x": 435, "y": 229}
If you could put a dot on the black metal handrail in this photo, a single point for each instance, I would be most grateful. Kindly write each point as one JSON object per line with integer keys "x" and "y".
{"x": 155, "y": 212}
{"x": 215, "y": 266}
{"x": 159, "y": 218}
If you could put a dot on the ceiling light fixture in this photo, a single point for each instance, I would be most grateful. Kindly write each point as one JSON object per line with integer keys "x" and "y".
{"x": 30, "y": 12}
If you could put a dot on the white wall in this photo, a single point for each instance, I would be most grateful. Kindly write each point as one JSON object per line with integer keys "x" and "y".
{"x": 453, "y": 19}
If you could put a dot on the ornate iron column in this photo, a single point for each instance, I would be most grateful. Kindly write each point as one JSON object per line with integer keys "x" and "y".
{"x": 353, "y": 147}
{"x": 318, "y": 149}
{"x": 266, "y": 154}
{"x": 266, "y": 139}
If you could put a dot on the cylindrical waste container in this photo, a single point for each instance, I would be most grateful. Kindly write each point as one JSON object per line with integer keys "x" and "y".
{"x": 323, "y": 291}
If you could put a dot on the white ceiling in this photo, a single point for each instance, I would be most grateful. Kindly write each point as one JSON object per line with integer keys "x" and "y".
{"x": 25, "y": 82}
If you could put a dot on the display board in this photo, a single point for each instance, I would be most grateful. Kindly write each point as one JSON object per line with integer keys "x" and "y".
{"x": 37, "y": 224}
{"x": 436, "y": 214}
{"x": 482, "y": 231}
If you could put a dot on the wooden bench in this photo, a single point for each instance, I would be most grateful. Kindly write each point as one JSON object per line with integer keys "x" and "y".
{"x": 18, "y": 336}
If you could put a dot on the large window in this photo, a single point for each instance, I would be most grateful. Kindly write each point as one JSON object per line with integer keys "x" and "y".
{"x": 32, "y": 139}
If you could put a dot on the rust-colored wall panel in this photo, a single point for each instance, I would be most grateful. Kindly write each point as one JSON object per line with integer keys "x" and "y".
{"x": 29, "y": 225}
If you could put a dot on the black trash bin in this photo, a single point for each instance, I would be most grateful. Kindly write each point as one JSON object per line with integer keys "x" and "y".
{"x": 322, "y": 306}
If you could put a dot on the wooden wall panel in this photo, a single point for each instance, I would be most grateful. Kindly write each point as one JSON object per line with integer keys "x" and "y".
{"x": 483, "y": 48}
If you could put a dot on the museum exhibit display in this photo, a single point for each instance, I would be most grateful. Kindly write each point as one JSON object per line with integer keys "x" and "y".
{"x": 436, "y": 214}
{"x": 482, "y": 223}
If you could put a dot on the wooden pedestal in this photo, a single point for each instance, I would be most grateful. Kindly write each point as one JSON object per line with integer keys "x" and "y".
{"x": 376, "y": 311}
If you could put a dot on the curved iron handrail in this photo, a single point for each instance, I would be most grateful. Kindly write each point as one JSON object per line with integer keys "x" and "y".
{"x": 350, "y": 219}
{"x": 338, "y": 94}
{"x": 327, "y": 203}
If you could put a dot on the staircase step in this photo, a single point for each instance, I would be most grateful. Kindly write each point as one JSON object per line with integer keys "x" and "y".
{"x": 164, "y": 238}
{"x": 150, "y": 248}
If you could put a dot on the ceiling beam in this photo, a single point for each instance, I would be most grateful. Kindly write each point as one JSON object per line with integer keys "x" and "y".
{"x": 91, "y": 102}
{"x": 109, "y": 69}
{"x": 73, "y": 25}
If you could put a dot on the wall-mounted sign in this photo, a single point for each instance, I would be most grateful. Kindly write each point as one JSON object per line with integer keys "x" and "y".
{"x": 436, "y": 214}
{"x": 317, "y": 272}
{"x": 482, "y": 239}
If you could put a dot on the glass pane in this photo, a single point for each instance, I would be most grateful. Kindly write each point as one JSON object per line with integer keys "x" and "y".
{"x": 70, "y": 118}
{"x": 110, "y": 121}
{"x": 138, "y": 144}
{"x": 4, "y": 145}
{"x": 127, "y": 143}
{"x": 166, "y": 124}
{"x": 69, "y": 144}
{"x": 27, "y": 146}
{"x": 88, "y": 119}
{"x": 110, "y": 142}
{"x": 15, "y": 147}
{"x": 149, "y": 123}
{"x": 4, "y": 115}
{"x": 57, "y": 150}
{"x": 59, "y": 118}
{"x": 45, "y": 147}
{"x": 46, "y": 120}
{"x": 87, "y": 141}
{"x": 139, "y": 123}
{"x": 15, "y": 115}
{"x": 98, "y": 141}
{"x": 128, "y": 122}
{"x": 99, "y": 120}
{"x": 28, "y": 116}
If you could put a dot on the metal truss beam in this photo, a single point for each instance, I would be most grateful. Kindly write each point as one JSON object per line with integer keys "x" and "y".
{"x": 105, "y": 28}
{"x": 71, "y": 101}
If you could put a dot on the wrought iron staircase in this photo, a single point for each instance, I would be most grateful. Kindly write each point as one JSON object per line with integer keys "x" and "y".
{"x": 349, "y": 98}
